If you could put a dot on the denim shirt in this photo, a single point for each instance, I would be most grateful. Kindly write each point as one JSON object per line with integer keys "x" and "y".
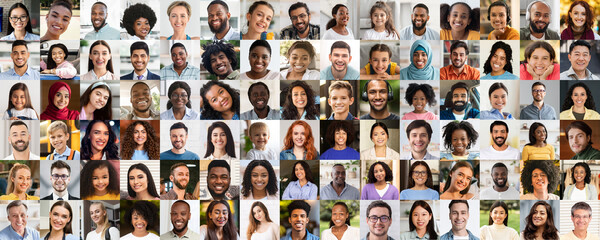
{"x": 495, "y": 114}
{"x": 450, "y": 236}
{"x": 288, "y": 154}
{"x": 295, "y": 191}
{"x": 9, "y": 233}
{"x": 309, "y": 236}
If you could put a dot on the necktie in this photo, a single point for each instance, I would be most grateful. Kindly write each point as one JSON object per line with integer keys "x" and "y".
{"x": 60, "y": 198}
{"x": 140, "y": 77}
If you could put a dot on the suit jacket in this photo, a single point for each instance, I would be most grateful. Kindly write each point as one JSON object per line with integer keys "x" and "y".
{"x": 151, "y": 76}
{"x": 49, "y": 197}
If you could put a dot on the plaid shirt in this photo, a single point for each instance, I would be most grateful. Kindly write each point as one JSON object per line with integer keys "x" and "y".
{"x": 190, "y": 72}
{"x": 289, "y": 32}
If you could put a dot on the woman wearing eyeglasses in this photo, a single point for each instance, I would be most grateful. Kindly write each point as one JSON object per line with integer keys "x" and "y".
{"x": 420, "y": 183}
{"x": 179, "y": 106}
{"x": 20, "y": 24}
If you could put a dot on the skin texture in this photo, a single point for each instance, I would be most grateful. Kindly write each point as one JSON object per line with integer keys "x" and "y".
{"x": 258, "y": 21}
{"x": 419, "y": 59}
{"x": 180, "y": 177}
{"x": 581, "y": 220}
{"x": 19, "y": 26}
{"x": 219, "y": 215}
{"x": 498, "y": 215}
{"x": 579, "y": 97}
{"x": 140, "y": 135}
{"x": 260, "y": 138}
{"x": 57, "y": 21}
{"x": 300, "y": 20}
{"x": 139, "y": 224}
{"x": 180, "y": 101}
{"x": 298, "y": 218}
{"x": 96, "y": 213}
{"x": 339, "y": 58}
{"x": 178, "y": 139}
{"x": 420, "y": 218}
{"x": 499, "y": 135}
{"x": 299, "y": 172}
{"x": 419, "y": 140}
{"x": 179, "y": 58}
{"x": 299, "y": 61}
{"x": 18, "y": 99}
{"x": 498, "y": 19}
{"x": 98, "y": 17}
{"x": 19, "y": 138}
{"x": 539, "y": 65}
{"x": 99, "y": 137}
{"x": 218, "y": 20}
{"x": 459, "y": 58}
{"x": 59, "y": 184}
{"x": 140, "y": 98}
{"x": 378, "y": 18}
{"x": 299, "y": 136}
{"x": 459, "y": 215}
{"x": 138, "y": 180}
{"x": 419, "y": 18}
{"x": 539, "y": 180}
{"x": 498, "y": 62}
{"x": 299, "y": 98}
{"x": 419, "y": 102}
{"x": 17, "y": 216}
{"x": 379, "y": 229}
{"x": 100, "y": 181}
{"x": 419, "y": 176}
{"x": 340, "y": 100}
{"x": 540, "y": 216}
{"x": 460, "y": 97}
{"x": 59, "y": 217}
{"x": 459, "y": 18}
{"x": 219, "y": 139}
{"x": 379, "y": 137}
{"x": 259, "y": 61}
{"x": 339, "y": 215}
{"x": 578, "y": 15}
{"x": 218, "y": 180}
{"x": 578, "y": 140}
{"x": 22, "y": 181}
{"x": 259, "y": 97}
{"x": 460, "y": 141}
{"x": 19, "y": 56}
{"x": 180, "y": 216}
{"x": 99, "y": 98}
{"x": 100, "y": 56}
{"x": 380, "y": 61}
{"x": 220, "y": 64}
{"x": 219, "y": 99}
{"x": 139, "y": 60}
{"x": 461, "y": 179}
{"x": 500, "y": 178}
{"x": 377, "y": 94}
{"x": 540, "y": 18}
{"x": 580, "y": 59}
{"x": 141, "y": 27}
{"x": 259, "y": 178}
{"x": 61, "y": 99}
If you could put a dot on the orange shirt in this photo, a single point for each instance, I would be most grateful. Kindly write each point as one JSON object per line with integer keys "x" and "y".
{"x": 468, "y": 73}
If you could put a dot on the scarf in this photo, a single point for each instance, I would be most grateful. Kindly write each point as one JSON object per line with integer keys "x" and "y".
{"x": 427, "y": 73}
{"x": 568, "y": 33}
{"x": 52, "y": 112}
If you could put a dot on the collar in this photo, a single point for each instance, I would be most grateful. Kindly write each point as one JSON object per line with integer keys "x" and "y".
{"x": 185, "y": 235}
{"x": 27, "y": 72}
{"x": 103, "y": 28}
{"x": 413, "y": 235}
{"x": 571, "y": 73}
{"x": 64, "y": 197}
{"x": 188, "y": 112}
{"x": 145, "y": 74}
{"x": 172, "y": 66}
{"x": 349, "y": 117}
{"x": 26, "y": 232}
{"x": 67, "y": 152}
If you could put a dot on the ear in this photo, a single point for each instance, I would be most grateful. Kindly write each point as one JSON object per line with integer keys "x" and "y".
{"x": 171, "y": 178}
{"x": 351, "y": 100}
{"x": 248, "y": 15}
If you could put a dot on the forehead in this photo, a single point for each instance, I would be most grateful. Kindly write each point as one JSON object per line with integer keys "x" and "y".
{"x": 99, "y": 126}
{"x": 178, "y": 50}
{"x": 258, "y": 88}
{"x": 178, "y": 131}
{"x": 540, "y": 52}
{"x": 459, "y": 8}
{"x": 418, "y": 130}
{"x": 298, "y": 211}
{"x": 180, "y": 206}
{"x": 183, "y": 169}
{"x": 499, "y": 127}
{"x": 98, "y": 7}
{"x": 218, "y": 55}
{"x": 459, "y": 207}
{"x": 139, "y": 87}
{"x": 459, "y": 50}
{"x": 379, "y": 211}
{"x": 138, "y": 52}
{"x": 340, "y": 51}
{"x": 60, "y": 170}
{"x": 574, "y": 131}
{"x": 18, "y": 128}
{"x": 498, "y": 9}
{"x": 339, "y": 168}
{"x": 19, "y": 48}
{"x": 420, "y": 10}
{"x": 218, "y": 170}
{"x": 540, "y": 7}
{"x": 298, "y": 11}
{"x": 17, "y": 209}
{"x": 580, "y": 48}
{"x": 216, "y": 8}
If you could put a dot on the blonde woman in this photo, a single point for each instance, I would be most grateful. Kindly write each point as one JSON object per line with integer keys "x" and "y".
{"x": 98, "y": 216}
{"x": 19, "y": 181}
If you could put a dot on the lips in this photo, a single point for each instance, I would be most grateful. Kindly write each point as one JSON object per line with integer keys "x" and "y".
{"x": 179, "y": 62}
{"x": 57, "y": 28}
{"x": 457, "y": 24}
{"x": 261, "y": 26}
{"x": 140, "y": 226}
{"x": 97, "y": 22}
{"x": 496, "y": 65}
{"x": 221, "y": 221}
{"x": 100, "y": 62}
{"x": 221, "y": 68}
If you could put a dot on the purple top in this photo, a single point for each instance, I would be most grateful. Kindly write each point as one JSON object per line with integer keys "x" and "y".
{"x": 370, "y": 193}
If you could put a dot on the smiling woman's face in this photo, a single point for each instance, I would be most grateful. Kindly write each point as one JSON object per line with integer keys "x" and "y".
{"x": 419, "y": 59}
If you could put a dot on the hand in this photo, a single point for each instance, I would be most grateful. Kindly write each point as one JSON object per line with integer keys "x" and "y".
{"x": 47, "y": 71}
{"x": 531, "y": 72}
{"x": 14, "y": 118}
{"x": 547, "y": 73}
{"x": 383, "y": 76}
{"x": 495, "y": 35}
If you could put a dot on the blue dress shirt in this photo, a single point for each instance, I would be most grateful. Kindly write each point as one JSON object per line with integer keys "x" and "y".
{"x": 30, "y": 74}
{"x": 295, "y": 191}
{"x": 494, "y": 114}
{"x": 9, "y": 233}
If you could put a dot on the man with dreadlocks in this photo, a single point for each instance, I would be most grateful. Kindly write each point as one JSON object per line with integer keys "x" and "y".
{"x": 219, "y": 59}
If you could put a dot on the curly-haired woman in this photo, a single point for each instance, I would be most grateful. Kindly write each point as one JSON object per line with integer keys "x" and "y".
{"x": 140, "y": 142}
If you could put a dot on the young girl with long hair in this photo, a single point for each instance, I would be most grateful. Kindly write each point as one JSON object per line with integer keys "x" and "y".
{"x": 99, "y": 181}
{"x": 58, "y": 19}
{"x": 221, "y": 101}
{"x": 219, "y": 143}
{"x": 61, "y": 216}
{"x": 59, "y": 97}
{"x": 100, "y": 64}
{"x": 300, "y": 102}
{"x": 380, "y": 65}
{"x": 220, "y": 224}
{"x": 459, "y": 182}
{"x": 259, "y": 57}
{"x": 299, "y": 143}
{"x": 99, "y": 142}
{"x": 260, "y": 225}
{"x": 459, "y": 22}
{"x": 103, "y": 230}
{"x": 57, "y": 62}
{"x": 258, "y": 18}
{"x": 259, "y": 181}
{"x": 382, "y": 23}
{"x": 140, "y": 142}
{"x": 140, "y": 183}
{"x": 96, "y": 102}
{"x": 19, "y": 104}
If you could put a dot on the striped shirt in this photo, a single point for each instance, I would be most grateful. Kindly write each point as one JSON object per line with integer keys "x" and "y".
{"x": 190, "y": 72}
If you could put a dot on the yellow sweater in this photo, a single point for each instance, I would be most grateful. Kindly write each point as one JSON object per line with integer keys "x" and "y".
{"x": 509, "y": 34}
{"x": 12, "y": 196}
{"x": 108, "y": 196}
{"x": 446, "y": 34}
{"x": 537, "y": 153}
{"x": 589, "y": 115}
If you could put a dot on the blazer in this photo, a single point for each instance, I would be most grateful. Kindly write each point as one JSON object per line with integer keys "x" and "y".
{"x": 151, "y": 76}
{"x": 49, "y": 197}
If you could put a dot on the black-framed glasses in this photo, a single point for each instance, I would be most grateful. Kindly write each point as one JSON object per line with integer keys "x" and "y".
{"x": 383, "y": 218}
{"x": 61, "y": 176}
{"x": 539, "y": 91}
{"x": 301, "y": 16}
{"x": 21, "y": 18}
{"x": 420, "y": 173}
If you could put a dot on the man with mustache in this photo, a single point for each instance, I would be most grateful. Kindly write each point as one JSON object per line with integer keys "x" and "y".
{"x": 379, "y": 218}
{"x": 457, "y": 108}
{"x": 180, "y": 216}
{"x": 579, "y": 56}
{"x": 499, "y": 150}
{"x": 102, "y": 31}
{"x": 179, "y": 135}
{"x": 259, "y": 94}
{"x": 579, "y": 135}
{"x": 459, "y": 216}
{"x": 21, "y": 70}
{"x": 16, "y": 212}
{"x": 19, "y": 138}
{"x": 301, "y": 29}
{"x": 218, "y": 21}
{"x": 501, "y": 189}
{"x": 538, "y": 16}
{"x": 377, "y": 93}
{"x": 419, "y": 30}
{"x": 218, "y": 181}
{"x": 581, "y": 216}
{"x": 180, "y": 176}
{"x": 219, "y": 59}
{"x": 538, "y": 110}
{"x": 141, "y": 102}
{"x": 140, "y": 56}
{"x": 340, "y": 57}
{"x": 338, "y": 189}
{"x": 299, "y": 211}
{"x": 60, "y": 177}
{"x": 458, "y": 69}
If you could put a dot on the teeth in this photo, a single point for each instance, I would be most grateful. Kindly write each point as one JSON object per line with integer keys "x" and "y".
{"x": 222, "y": 68}
{"x": 299, "y": 67}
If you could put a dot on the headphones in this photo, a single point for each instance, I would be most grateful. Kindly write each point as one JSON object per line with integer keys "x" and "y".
{"x": 500, "y": 3}
{"x": 528, "y": 14}
{"x": 365, "y": 95}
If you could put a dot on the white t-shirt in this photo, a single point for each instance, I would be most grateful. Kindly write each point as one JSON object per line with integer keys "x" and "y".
{"x": 490, "y": 153}
{"x": 382, "y": 191}
{"x": 26, "y": 112}
{"x": 578, "y": 194}
{"x": 271, "y": 75}
{"x": 150, "y": 236}
{"x": 113, "y": 232}
{"x": 332, "y": 35}
{"x": 309, "y": 74}
{"x": 490, "y": 193}
{"x": 371, "y": 34}
{"x": 458, "y": 117}
{"x": 267, "y": 154}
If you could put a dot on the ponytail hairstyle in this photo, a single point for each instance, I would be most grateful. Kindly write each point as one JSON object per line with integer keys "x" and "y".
{"x": 447, "y": 9}
{"x": 389, "y": 23}
{"x": 334, "y": 11}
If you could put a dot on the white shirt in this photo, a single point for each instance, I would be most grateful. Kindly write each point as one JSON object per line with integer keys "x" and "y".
{"x": 534, "y": 38}
{"x": 150, "y": 236}
{"x": 577, "y": 194}
{"x": 309, "y": 74}
{"x": 371, "y": 34}
{"x": 350, "y": 234}
{"x": 408, "y": 34}
{"x": 491, "y": 193}
{"x": 113, "y": 232}
{"x": 64, "y": 197}
{"x": 490, "y": 153}
{"x": 31, "y": 157}
{"x": 382, "y": 191}
{"x": 267, "y": 154}
{"x": 332, "y": 35}
{"x": 25, "y": 112}
{"x": 271, "y": 75}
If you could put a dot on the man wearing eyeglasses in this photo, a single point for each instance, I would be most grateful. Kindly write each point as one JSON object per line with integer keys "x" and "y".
{"x": 501, "y": 189}
{"x": 581, "y": 215}
{"x": 60, "y": 177}
{"x": 300, "y": 29}
{"x": 538, "y": 110}
{"x": 459, "y": 216}
{"x": 379, "y": 218}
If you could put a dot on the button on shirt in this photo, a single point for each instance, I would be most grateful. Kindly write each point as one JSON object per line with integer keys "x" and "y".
{"x": 348, "y": 193}
{"x": 30, "y": 74}
{"x": 531, "y": 112}
{"x": 28, "y": 37}
{"x": 295, "y": 191}
{"x": 189, "y": 115}
{"x": 189, "y": 234}
{"x": 571, "y": 75}
{"x": 105, "y": 33}
{"x": 190, "y": 72}
{"x": 9, "y": 233}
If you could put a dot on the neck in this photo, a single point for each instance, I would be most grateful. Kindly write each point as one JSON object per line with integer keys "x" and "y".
{"x": 540, "y": 231}
{"x": 227, "y": 115}
{"x": 178, "y": 151}
{"x": 581, "y": 74}
{"x": 21, "y": 155}
{"x": 300, "y": 112}
{"x": 538, "y": 104}
{"x": 458, "y": 71}
{"x": 89, "y": 110}
{"x": 303, "y": 34}
{"x": 60, "y": 194}
{"x": 541, "y": 195}
{"x": 139, "y": 147}
{"x": 21, "y": 70}
{"x": 375, "y": 237}
{"x": 262, "y": 113}
{"x": 179, "y": 69}
{"x": 101, "y": 193}
{"x": 460, "y": 153}
{"x": 498, "y": 73}
{"x": 221, "y": 35}
{"x": 20, "y": 34}
{"x": 145, "y": 195}
{"x": 500, "y": 148}
{"x": 379, "y": 28}
{"x": 380, "y": 151}
{"x": 293, "y": 75}
{"x": 180, "y": 192}
{"x": 380, "y": 183}
{"x": 421, "y": 232}
{"x": 419, "y": 32}
{"x": 139, "y": 72}
{"x": 581, "y": 234}
{"x": 580, "y": 109}
{"x": 380, "y": 114}
{"x": 219, "y": 153}
{"x": 180, "y": 233}
{"x": 500, "y": 189}
{"x": 54, "y": 234}
{"x": 100, "y": 71}
{"x": 459, "y": 35}
{"x": 419, "y": 187}
{"x": 257, "y": 75}
{"x": 340, "y": 116}
{"x": 459, "y": 112}
{"x": 179, "y": 35}
{"x": 259, "y": 194}
{"x": 338, "y": 186}
{"x": 338, "y": 75}
{"x": 339, "y": 147}
{"x": 144, "y": 114}
{"x": 578, "y": 30}
{"x": 339, "y": 28}
{"x": 49, "y": 36}
{"x": 580, "y": 185}
{"x": 251, "y": 34}
{"x": 21, "y": 195}
{"x": 61, "y": 151}
{"x": 418, "y": 155}
{"x": 297, "y": 235}
{"x": 100, "y": 27}
{"x": 139, "y": 233}
{"x": 301, "y": 148}
{"x": 460, "y": 232}
{"x": 302, "y": 182}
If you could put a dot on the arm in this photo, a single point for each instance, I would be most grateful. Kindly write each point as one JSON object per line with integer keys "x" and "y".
{"x": 364, "y": 195}
{"x": 286, "y": 194}
{"x": 314, "y": 190}
{"x": 525, "y": 155}
{"x": 66, "y": 71}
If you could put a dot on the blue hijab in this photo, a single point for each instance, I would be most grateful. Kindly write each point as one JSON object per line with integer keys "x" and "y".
{"x": 428, "y": 72}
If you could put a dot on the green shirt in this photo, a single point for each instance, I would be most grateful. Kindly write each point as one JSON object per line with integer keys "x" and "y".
{"x": 589, "y": 153}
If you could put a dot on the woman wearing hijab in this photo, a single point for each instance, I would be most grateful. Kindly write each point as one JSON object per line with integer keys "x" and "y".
{"x": 420, "y": 63}
{"x": 59, "y": 97}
